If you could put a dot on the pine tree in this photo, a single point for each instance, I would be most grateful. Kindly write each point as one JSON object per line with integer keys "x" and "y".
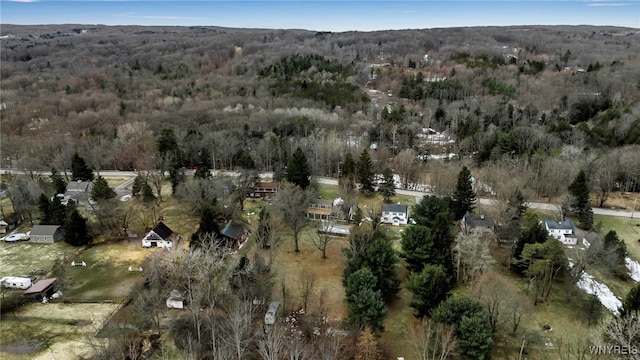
{"x": 79, "y": 169}
{"x": 147, "y": 194}
{"x": 417, "y": 244}
{"x": 464, "y": 198}
{"x": 298, "y": 171}
{"x": 365, "y": 305}
{"x": 59, "y": 185}
{"x": 348, "y": 166}
{"x": 581, "y": 206}
{"x": 365, "y": 172}
{"x": 424, "y": 213}
{"x": 208, "y": 228}
{"x": 388, "y": 187}
{"x": 137, "y": 186}
{"x": 101, "y": 190}
{"x": 44, "y": 205}
{"x": 443, "y": 242}
{"x": 631, "y": 302}
{"x": 76, "y": 229}
{"x": 429, "y": 288}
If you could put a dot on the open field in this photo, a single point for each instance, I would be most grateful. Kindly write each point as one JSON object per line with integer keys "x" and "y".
{"x": 627, "y": 229}
{"x": 52, "y": 331}
{"x": 20, "y": 258}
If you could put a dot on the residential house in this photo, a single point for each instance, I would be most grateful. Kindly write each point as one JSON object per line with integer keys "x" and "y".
{"x": 234, "y": 234}
{"x": 16, "y": 282}
{"x": 160, "y": 236}
{"x": 78, "y": 191}
{"x": 470, "y": 222}
{"x": 395, "y": 214}
{"x": 264, "y": 190}
{"x": 565, "y": 231}
{"x": 46, "y": 234}
{"x": 320, "y": 209}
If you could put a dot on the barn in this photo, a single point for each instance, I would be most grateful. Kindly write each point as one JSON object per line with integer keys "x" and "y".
{"x": 46, "y": 234}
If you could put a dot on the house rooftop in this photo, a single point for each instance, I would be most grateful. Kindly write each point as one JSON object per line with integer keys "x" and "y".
{"x": 394, "y": 208}
{"x": 322, "y": 202}
{"x": 265, "y": 184}
{"x": 233, "y": 230}
{"x": 46, "y": 230}
{"x": 162, "y": 230}
{"x": 477, "y": 220}
{"x": 78, "y": 186}
{"x": 559, "y": 225}
{"x": 40, "y": 286}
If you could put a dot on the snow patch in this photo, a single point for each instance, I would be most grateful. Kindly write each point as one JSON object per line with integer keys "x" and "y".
{"x": 634, "y": 268}
{"x": 589, "y": 285}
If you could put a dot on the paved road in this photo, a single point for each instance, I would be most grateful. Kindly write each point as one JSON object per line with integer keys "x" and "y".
{"x": 332, "y": 181}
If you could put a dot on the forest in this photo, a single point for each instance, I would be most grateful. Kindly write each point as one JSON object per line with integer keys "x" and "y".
{"x": 544, "y": 114}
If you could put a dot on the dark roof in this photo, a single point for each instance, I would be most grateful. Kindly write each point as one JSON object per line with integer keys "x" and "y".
{"x": 477, "y": 221}
{"x": 162, "y": 230}
{"x": 47, "y": 230}
{"x": 233, "y": 230}
{"x": 559, "y": 225}
{"x": 78, "y": 186}
{"x": 322, "y": 202}
{"x": 40, "y": 286}
{"x": 395, "y": 208}
{"x": 264, "y": 184}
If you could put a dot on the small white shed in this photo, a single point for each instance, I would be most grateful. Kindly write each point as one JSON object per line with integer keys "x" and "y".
{"x": 15, "y": 282}
{"x": 175, "y": 300}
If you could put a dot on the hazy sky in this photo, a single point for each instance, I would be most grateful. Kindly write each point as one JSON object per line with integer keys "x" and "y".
{"x": 324, "y": 15}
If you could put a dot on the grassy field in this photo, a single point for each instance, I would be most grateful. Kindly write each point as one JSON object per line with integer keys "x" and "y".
{"x": 626, "y": 228}
{"x": 20, "y": 258}
{"x": 52, "y": 331}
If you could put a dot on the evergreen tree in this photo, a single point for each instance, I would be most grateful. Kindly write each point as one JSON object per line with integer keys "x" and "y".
{"x": 581, "y": 205}
{"x": 471, "y": 322}
{"x": 44, "y": 205}
{"x": 79, "y": 169}
{"x": 101, "y": 190}
{"x": 429, "y": 288}
{"x": 366, "y": 307}
{"x": 207, "y": 230}
{"x": 592, "y": 310}
{"x": 388, "y": 188}
{"x": 464, "y": 198}
{"x": 616, "y": 246}
{"x": 57, "y": 211}
{"x": 417, "y": 246}
{"x": 534, "y": 234}
{"x": 203, "y": 168}
{"x": 147, "y": 194}
{"x": 298, "y": 171}
{"x": 443, "y": 242}
{"x": 424, "y": 212}
{"x": 383, "y": 260}
{"x": 348, "y": 166}
{"x": 76, "y": 229}
{"x": 59, "y": 185}
{"x": 137, "y": 186}
{"x": 365, "y": 172}
{"x": 631, "y": 302}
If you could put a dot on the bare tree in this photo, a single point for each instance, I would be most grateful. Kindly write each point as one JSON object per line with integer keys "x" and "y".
{"x": 272, "y": 345}
{"x": 503, "y": 302}
{"x": 374, "y": 213}
{"x": 622, "y": 331}
{"x": 472, "y": 253}
{"x": 428, "y": 340}
{"x": 245, "y": 182}
{"x": 293, "y": 202}
{"x": 405, "y": 166}
{"x": 306, "y": 281}
{"x": 323, "y": 236}
{"x": 238, "y": 334}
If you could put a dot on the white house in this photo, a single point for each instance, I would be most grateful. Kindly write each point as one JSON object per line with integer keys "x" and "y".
{"x": 395, "y": 214}
{"x": 160, "y": 236}
{"x": 564, "y": 231}
{"x": 15, "y": 282}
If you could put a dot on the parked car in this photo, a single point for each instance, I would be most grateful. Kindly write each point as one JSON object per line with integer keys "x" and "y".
{"x": 272, "y": 313}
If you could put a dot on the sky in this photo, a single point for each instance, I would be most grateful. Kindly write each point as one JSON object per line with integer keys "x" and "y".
{"x": 323, "y": 15}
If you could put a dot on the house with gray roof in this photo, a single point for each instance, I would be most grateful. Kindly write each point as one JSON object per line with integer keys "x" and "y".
{"x": 395, "y": 214}
{"x": 46, "y": 234}
{"x": 564, "y": 231}
{"x": 470, "y": 222}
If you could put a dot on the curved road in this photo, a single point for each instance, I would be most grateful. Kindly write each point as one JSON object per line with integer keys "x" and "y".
{"x": 120, "y": 190}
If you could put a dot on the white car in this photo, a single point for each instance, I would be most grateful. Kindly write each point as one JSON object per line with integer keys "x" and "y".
{"x": 125, "y": 198}
{"x": 15, "y": 237}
